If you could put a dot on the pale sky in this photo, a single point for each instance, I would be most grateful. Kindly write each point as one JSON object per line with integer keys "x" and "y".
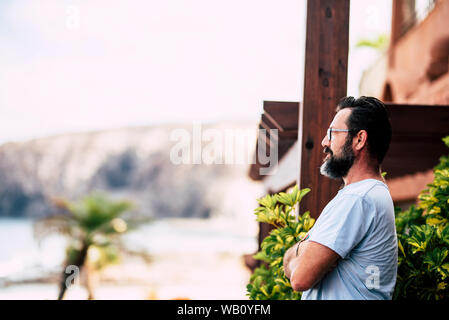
{"x": 79, "y": 65}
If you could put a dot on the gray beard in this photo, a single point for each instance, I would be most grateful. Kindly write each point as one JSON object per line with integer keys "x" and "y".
{"x": 326, "y": 171}
{"x": 338, "y": 168}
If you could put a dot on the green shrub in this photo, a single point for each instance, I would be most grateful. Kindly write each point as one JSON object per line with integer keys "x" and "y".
{"x": 279, "y": 211}
{"x": 423, "y": 240}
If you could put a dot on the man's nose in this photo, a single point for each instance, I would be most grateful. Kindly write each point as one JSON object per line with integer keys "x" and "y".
{"x": 325, "y": 142}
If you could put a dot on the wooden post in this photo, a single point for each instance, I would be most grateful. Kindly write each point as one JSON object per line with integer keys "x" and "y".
{"x": 325, "y": 83}
{"x": 397, "y": 22}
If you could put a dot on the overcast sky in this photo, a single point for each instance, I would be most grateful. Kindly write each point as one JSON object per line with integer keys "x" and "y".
{"x": 77, "y": 65}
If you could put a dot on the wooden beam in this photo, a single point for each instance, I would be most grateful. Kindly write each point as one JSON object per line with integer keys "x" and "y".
{"x": 287, "y": 171}
{"x": 416, "y": 144}
{"x": 283, "y": 117}
{"x": 325, "y": 81}
{"x": 397, "y": 21}
{"x": 283, "y": 114}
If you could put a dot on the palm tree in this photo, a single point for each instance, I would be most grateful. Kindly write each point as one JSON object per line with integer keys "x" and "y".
{"x": 94, "y": 221}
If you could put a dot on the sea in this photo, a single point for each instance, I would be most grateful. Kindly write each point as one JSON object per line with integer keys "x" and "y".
{"x": 24, "y": 259}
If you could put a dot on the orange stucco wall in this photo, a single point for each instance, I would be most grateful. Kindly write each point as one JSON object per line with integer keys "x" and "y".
{"x": 417, "y": 56}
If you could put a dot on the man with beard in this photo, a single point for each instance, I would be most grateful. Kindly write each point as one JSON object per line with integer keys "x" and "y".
{"x": 351, "y": 251}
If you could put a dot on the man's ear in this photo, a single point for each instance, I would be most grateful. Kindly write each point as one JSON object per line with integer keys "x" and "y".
{"x": 361, "y": 139}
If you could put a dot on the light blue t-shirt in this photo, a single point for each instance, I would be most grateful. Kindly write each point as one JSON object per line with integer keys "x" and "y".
{"x": 358, "y": 224}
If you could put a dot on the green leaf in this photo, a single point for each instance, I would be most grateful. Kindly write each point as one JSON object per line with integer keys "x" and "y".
{"x": 269, "y": 282}
{"x": 446, "y": 140}
{"x": 401, "y": 248}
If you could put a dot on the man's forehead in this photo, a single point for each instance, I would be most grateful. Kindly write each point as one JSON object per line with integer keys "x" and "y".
{"x": 340, "y": 118}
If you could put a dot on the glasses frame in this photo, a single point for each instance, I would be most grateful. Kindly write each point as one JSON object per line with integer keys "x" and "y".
{"x": 329, "y": 132}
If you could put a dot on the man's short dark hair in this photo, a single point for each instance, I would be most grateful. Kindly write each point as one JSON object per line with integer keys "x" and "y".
{"x": 370, "y": 114}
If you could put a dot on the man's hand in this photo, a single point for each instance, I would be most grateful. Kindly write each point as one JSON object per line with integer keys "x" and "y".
{"x": 289, "y": 256}
{"x": 314, "y": 260}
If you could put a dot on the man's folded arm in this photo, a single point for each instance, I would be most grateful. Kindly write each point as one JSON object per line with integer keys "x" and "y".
{"x": 314, "y": 260}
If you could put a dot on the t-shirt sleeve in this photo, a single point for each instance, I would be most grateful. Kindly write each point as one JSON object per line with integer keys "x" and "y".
{"x": 344, "y": 225}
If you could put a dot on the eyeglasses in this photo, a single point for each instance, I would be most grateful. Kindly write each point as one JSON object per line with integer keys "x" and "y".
{"x": 330, "y": 130}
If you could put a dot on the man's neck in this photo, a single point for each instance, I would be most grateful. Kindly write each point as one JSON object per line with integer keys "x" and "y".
{"x": 360, "y": 172}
